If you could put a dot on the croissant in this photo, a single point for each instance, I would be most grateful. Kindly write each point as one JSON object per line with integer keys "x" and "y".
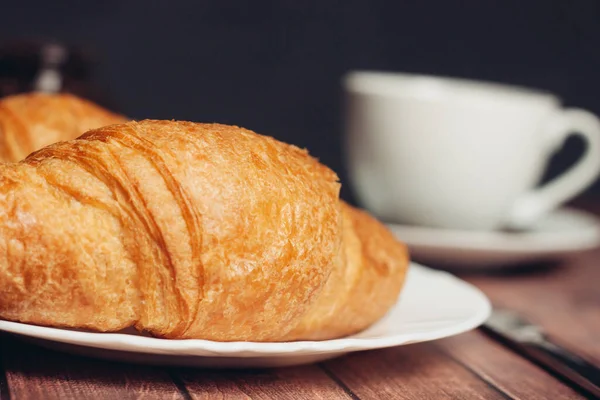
{"x": 31, "y": 121}
{"x": 187, "y": 230}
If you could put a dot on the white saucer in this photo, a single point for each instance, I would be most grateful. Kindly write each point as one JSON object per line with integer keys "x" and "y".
{"x": 432, "y": 305}
{"x": 559, "y": 234}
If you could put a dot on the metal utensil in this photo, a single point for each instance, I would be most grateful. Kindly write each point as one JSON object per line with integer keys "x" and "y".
{"x": 529, "y": 340}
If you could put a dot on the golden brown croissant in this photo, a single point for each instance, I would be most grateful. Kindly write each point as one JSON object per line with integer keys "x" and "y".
{"x": 189, "y": 230}
{"x": 31, "y": 121}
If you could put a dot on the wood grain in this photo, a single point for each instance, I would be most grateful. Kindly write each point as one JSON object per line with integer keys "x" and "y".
{"x": 503, "y": 369}
{"x": 564, "y": 298}
{"x": 35, "y": 373}
{"x": 303, "y": 382}
{"x": 418, "y": 371}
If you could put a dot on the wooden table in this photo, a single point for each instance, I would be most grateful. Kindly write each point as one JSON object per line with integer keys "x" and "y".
{"x": 565, "y": 298}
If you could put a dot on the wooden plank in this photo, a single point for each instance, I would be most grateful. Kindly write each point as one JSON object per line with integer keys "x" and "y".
{"x": 505, "y": 370}
{"x": 418, "y": 371}
{"x": 35, "y": 373}
{"x": 302, "y": 382}
{"x": 564, "y": 298}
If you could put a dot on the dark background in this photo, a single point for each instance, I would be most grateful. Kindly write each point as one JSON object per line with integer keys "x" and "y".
{"x": 275, "y": 67}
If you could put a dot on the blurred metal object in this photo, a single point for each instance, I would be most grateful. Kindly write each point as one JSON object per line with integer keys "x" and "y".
{"x": 529, "y": 340}
{"x": 51, "y": 67}
{"x": 49, "y": 79}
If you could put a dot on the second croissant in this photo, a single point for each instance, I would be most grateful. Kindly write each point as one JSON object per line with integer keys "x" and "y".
{"x": 31, "y": 121}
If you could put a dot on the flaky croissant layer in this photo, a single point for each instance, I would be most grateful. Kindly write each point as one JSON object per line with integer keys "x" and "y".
{"x": 189, "y": 230}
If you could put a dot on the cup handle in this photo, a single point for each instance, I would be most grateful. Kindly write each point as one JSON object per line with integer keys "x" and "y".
{"x": 541, "y": 200}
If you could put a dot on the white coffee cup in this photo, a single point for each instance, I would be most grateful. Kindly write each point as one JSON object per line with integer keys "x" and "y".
{"x": 460, "y": 154}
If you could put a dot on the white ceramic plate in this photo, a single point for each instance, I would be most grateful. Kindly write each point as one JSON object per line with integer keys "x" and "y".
{"x": 557, "y": 235}
{"x": 432, "y": 305}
